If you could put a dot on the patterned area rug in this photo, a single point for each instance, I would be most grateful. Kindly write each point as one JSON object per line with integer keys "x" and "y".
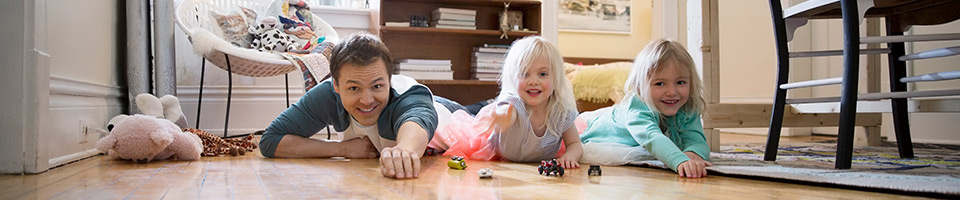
{"x": 935, "y": 170}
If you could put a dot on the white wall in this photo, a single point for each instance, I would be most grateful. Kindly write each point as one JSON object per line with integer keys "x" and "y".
{"x": 12, "y": 51}
{"x": 610, "y": 45}
{"x": 84, "y": 89}
{"x": 67, "y": 80}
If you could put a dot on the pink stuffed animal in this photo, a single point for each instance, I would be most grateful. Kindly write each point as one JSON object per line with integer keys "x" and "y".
{"x": 144, "y": 138}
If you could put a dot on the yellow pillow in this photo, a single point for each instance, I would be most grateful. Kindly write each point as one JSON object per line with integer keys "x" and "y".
{"x": 600, "y": 82}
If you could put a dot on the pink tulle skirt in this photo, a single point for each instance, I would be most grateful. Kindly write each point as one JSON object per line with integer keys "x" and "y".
{"x": 469, "y": 136}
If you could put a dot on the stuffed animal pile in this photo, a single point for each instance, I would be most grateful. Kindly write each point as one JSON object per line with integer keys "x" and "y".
{"x": 152, "y": 135}
{"x": 161, "y": 132}
{"x": 285, "y": 26}
{"x": 269, "y": 37}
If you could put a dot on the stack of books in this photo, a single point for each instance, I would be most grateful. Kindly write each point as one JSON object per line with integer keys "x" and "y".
{"x": 453, "y": 18}
{"x": 487, "y": 61}
{"x": 423, "y": 69}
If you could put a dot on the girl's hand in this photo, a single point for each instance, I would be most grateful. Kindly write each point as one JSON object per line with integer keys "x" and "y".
{"x": 696, "y": 167}
{"x": 566, "y": 161}
{"x": 503, "y": 116}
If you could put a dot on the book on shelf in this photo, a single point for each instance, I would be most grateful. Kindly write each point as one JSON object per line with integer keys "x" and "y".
{"x": 491, "y": 49}
{"x": 456, "y": 11}
{"x": 426, "y": 74}
{"x": 493, "y": 60}
{"x": 422, "y": 67}
{"x": 397, "y": 24}
{"x": 495, "y": 45}
{"x": 425, "y": 61}
{"x": 486, "y": 65}
{"x": 486, "y": 56}
{"x": 455, "y": 27}
{"x": 453, "y": 16}
{"x": 486, "y": 70}
{"x": 453, "y": 22}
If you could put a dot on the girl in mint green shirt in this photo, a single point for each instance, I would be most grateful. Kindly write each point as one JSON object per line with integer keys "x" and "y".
{"x": 663, "y": 76}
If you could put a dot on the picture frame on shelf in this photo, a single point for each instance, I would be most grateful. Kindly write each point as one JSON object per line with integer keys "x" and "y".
{"x": 611, "y": 16}
{"x": 515, "y": 20}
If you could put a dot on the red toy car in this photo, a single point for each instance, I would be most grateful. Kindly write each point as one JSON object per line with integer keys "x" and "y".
{"x": 550, "y": 166}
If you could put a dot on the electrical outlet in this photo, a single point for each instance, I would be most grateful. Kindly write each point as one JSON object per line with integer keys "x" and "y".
{"x": 85, "y": 130}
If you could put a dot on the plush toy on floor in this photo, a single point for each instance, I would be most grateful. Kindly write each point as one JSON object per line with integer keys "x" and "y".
{"x": 154, "y": 135}
{"x": 216, "y": 146}
{"x": 144, "y": 138}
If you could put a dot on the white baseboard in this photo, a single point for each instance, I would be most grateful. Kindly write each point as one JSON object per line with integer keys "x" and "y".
{"x": 74, "y": 104}
{"x": 252, "y": 108}
{"x": 72, "y": 157}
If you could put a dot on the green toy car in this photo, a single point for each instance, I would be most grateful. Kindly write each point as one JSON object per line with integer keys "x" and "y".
{"x": 457, "y": 163}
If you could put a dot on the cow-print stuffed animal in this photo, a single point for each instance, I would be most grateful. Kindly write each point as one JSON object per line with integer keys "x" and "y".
{"x": 269, "y": 37}
{"x": 216, "y": 146}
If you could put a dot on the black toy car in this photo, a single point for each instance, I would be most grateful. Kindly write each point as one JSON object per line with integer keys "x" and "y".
{"x": 550, "y": 166}
{"x": 594, "y": 170}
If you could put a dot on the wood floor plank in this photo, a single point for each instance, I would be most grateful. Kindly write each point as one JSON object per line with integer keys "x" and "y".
{"x": 252, "y": 176}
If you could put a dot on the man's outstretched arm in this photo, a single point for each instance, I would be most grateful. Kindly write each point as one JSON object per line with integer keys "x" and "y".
{"x": 403, "y": 160}
{"x": 295, "y": 146}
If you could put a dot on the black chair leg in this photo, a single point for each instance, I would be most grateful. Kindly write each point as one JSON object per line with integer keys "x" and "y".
{"x": 783, "y": 74}
{"x": 901, "y": 119}
{"x": 226, "y": 120}
{"x": 848, "y": 96}
{"x": 203, "y": 68}
{"x": 286, "y": 88}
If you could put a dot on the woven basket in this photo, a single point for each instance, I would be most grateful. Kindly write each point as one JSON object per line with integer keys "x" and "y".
{"x": 248, "y": 62}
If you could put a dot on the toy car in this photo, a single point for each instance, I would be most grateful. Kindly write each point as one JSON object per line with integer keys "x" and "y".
{"x": 550, "y": 166}
{"x": 432, "y": 152}
{"x": 457, "y": 163}
{"x": 594, "y": 170}
{"x": 485, "y": 173}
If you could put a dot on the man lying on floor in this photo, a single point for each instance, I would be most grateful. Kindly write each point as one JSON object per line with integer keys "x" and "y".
{"x": 394, "y": 116}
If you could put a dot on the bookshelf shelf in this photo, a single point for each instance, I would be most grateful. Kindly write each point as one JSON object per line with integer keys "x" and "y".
{"x": 431, "y": 30}
{"x": 457, "y": 82}
{"x": 455, "y": 45}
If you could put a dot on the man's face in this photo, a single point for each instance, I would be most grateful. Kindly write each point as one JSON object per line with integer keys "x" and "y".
{"x": 364, "y": 90}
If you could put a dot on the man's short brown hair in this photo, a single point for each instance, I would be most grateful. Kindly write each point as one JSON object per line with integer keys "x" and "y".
{"x": 360, "y": 49}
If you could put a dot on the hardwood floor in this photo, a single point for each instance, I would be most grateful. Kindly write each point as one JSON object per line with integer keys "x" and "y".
{"x": 254, "y": 177}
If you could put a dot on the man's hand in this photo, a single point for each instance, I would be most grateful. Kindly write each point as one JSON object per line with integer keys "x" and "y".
{"x": 399, "y": 163}
{"x": 359, "y": 148}
{"x": 696, "y": 167}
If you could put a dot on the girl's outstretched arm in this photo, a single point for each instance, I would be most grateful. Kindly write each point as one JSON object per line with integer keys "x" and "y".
{"x": 696, "y": 167}
{"x": 503, "y": 116}
{"x": 571, "y": 158}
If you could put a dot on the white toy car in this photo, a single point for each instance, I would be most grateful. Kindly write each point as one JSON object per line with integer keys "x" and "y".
{"x": 485, "y": 173}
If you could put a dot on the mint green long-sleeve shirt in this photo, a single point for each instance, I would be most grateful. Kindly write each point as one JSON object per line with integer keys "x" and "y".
{"x": 633, "y": 123}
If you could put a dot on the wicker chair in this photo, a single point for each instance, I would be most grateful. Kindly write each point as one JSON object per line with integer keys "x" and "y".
{"x": 191, "y": 14}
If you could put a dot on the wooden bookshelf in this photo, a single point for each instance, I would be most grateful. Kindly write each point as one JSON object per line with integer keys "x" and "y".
{"x": 441, "y": 31}
{"x": 463, "y": 91}
{"x": 453, "y": 44}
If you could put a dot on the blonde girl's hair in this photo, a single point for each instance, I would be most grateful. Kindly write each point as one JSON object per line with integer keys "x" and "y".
{"x": 651, "y": 60}
{"x": 521, "y": 55}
